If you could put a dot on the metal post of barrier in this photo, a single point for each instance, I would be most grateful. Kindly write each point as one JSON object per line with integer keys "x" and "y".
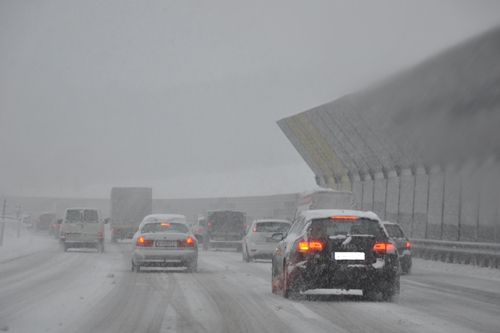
{"x": 2, "y": 228}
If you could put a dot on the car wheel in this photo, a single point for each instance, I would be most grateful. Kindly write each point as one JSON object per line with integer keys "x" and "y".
{"x": 287, "y": 291}
{"x": 193, "y": 266}
{"x": 247, "y": 255}
{"x": 390, "y": 289}
{"x": 64, "y": 247}
{"x": 274, "y": 279}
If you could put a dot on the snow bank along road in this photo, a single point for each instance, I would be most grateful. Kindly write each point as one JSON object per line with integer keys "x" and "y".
{"x": 45, "y": 290}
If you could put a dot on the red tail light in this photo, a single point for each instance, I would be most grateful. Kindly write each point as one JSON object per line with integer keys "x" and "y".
{"x": 187, "y": 242}
{"x": 99, "y": 234}
{"x": 310, "y": 246}
{"x": 63, "y": 234}
{"x": 255, "y": 229}
{"x": 383, "y": 247}
{"x": 54, "y": 225}
{"x": 244, "y": 224}
{"x": 344, "y": 217}
{"x": 197, "y": 230}
{"x": 112, "y": 229}
{"x": 407, "y": 244}
{"x": 144, "y": 242}
{"x": 208, "y": 224}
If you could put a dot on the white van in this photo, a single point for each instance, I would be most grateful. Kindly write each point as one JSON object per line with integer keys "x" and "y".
{"x": 82, "y": 227}
{"x": 325, "y": 198}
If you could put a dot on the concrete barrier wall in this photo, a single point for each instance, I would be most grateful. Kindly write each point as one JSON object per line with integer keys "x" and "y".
{"x": 357, "y": 189}
{"x": 367, "y": 203}
{"x": 420, "y": 203}
{"x": 392, "y": 202}
{"x": 469, "y": 203}
{"x": 435, "y": 210}
{"x": 407, "y": 191}
{"x": 451, "y": 206}
{"x": 379, "y": 194}
{"x": 489, "y": 203}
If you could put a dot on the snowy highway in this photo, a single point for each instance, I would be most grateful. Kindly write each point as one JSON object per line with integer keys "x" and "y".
{"x": 43, "y": 289}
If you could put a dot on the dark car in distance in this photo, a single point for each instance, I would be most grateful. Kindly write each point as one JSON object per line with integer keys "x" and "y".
{"x": 55, "y": 228}
{"x": 336, "y": 249}
{"x": 402, "y": 245}
{"x": 44, "y": 221}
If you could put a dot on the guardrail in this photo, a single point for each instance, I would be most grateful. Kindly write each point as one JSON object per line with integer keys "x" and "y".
{"x": 468, "y": 253}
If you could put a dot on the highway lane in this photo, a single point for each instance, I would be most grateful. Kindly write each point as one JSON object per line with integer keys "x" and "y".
{"x": 85, "y": 291}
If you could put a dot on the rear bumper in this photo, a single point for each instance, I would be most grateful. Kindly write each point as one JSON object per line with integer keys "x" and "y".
{"x": 261, "y": 251}
{"x": 331, "y": 275}
{"x": 152, "y": 257}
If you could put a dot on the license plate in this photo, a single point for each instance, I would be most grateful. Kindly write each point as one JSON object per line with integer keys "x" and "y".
{"x": 162, "y": 243}
{"x": 348, "y": 255}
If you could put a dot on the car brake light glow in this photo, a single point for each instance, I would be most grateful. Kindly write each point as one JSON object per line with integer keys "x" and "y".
{"x": 383, "y": 247}
{"x": 187, "y": 242}
{"x": 112, "y": 229}
{"x": 254, "y": 229}
{"x": 164, "y": 224}
{"x": 244, "y": 224}
{"x": 344, "y": 217}
{"x": 144, "y": 242}
{"x": 310, "y": 246}
{"x": 63, "y": 234}
{"x": 208, "y": 223}
{"x": 99, "y": 234}
{"x": 407, "y": 244}
{"x": 197, "y": 230}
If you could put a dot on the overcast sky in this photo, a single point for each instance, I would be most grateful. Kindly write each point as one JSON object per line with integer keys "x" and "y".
{"x": 184, "y": 96}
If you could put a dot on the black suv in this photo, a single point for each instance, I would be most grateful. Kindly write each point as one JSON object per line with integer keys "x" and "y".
{"x": 402, "y": 245}
{"x": 336, "y": 249}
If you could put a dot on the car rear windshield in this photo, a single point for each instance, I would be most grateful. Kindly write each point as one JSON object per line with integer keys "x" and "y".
{"x": 394, "y": 230}
{"x": 335, "y": 227}
{"x": 82, "y": 215}
{"x": 47, "y": 217}
{"x": 165, "y": 227}
{"x": 272, "y": 227}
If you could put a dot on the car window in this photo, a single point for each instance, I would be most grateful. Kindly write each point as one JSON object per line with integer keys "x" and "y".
{"x": 164, "y": 227}
{"x": 272, "y": 227}
{"x": 335, "y": 227}
{"x": 295, "y": 225}
{"x": 394, "y": 230}
{"x": 82, "y": 215}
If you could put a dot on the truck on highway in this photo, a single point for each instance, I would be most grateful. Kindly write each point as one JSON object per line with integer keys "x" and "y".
{"x": 129, "y": 206}
{"x": 224, "y": 229}
{"x": 325, "y": 198}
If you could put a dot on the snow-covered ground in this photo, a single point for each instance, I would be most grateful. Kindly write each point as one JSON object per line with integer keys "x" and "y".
{"x": 43, "y": 289}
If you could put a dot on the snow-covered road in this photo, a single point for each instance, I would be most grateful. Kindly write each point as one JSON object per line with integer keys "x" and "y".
{"x": 45, "y": 290}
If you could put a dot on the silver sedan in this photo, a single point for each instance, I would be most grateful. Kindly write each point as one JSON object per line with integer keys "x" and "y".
{"x": 258, "y": 243}
{"x": 164, "y": 243}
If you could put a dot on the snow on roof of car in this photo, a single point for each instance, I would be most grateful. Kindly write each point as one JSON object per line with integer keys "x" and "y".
{"x": 165, "y": 218}
{"x": 271, "y": 220}
{"x": 389, "y": 222}
{"x": 322, "y": 213}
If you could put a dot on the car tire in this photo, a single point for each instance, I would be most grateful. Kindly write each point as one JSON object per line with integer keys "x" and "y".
{"x": 287, "y": 291}
{"x": 390, "y": 289}
{"x": 274, "y": 288}
{"x": 192, "y": 266}
{"x": 64, "y": 247}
